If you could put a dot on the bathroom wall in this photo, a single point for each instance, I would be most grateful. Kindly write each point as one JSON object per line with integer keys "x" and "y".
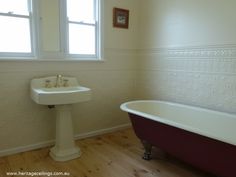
{"x": 188, "y": 52}
{"x": 25, "y": 125}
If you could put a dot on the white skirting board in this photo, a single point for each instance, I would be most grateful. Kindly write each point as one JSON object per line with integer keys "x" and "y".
{"x": 51, "y": 142}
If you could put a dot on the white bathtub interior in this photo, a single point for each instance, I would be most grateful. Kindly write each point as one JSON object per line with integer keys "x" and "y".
{"x": 213, "y": 124}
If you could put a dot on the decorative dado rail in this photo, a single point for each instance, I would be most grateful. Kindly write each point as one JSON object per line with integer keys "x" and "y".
{"x": 205, "y": 59}
{"x": 195, "y": 51}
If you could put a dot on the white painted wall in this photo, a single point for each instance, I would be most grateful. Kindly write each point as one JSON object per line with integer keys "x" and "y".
{"x": 179, "y": 23}
{"x": 188, "y": 51}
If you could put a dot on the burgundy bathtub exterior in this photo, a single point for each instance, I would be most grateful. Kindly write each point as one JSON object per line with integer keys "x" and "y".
{"x": 210, "y": 155}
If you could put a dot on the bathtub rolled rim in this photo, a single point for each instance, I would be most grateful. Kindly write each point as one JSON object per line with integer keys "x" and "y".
{"x": 124, "y": 107}
{"x": 157, "y": 118}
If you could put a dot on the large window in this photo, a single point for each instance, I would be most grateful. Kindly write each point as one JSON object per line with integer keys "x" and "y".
{"x": 81, "y": 28}
{"x": 31, "y": 29}
{"x": 15, "y": 28}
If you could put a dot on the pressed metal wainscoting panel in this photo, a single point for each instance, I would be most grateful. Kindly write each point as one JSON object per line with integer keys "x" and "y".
{"x": 204, "y": 75}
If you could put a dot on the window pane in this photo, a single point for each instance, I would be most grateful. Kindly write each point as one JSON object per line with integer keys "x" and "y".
{"x": 80, "y": 10}
{"x": 81, "y": 39}
{"x": 14, "y": 34}
{"x": 14, "y": 6}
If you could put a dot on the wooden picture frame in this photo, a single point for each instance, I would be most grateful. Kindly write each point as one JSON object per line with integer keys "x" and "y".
{"x": 120, "y": 18}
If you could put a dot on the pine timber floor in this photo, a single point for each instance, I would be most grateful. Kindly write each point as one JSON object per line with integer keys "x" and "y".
{"x": 116, "y": 154}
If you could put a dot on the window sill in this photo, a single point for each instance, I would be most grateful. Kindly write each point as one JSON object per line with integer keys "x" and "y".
{"x": 51, "y": 60}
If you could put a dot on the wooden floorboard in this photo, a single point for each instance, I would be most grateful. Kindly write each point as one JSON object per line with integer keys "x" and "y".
{"x": 111, "y": 155}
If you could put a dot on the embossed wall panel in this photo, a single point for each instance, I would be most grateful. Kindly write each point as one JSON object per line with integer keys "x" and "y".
{"x": 202, "y": 76}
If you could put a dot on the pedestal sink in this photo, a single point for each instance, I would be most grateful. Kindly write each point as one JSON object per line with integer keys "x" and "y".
{"x": 61, "y": 92}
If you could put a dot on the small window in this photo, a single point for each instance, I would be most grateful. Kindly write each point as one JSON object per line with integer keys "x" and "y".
{"x": 15, "y": 31}
{"x": 82, "y": 28}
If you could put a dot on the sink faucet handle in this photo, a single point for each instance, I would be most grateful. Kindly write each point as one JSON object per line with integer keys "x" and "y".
{"x": 65, "y": 82}
{"x": 47, "y": 83}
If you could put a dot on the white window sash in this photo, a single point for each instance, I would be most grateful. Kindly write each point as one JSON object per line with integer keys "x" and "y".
{"x": 33, "y": 29}
{"x": 65, "y": 33}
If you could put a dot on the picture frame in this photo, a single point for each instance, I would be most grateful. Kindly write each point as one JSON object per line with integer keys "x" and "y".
{"x": 120, "y": 18}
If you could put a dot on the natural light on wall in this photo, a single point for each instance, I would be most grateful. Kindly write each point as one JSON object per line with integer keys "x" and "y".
{"x": 14, "y": 14}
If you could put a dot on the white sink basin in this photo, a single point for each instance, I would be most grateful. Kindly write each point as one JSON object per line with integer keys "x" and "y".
{"x": 58, "y": 90}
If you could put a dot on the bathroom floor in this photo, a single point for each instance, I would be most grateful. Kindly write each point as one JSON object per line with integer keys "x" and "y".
{"x": 112, "y": 155}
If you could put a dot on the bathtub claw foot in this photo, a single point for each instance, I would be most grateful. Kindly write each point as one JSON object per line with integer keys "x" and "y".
{"x": 148, "y": 150}
{"x": 147, "y": 156}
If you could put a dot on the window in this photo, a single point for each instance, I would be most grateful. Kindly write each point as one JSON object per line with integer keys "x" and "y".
{"x": 25, "y": 25}
{"x": 15, "y": 32}
{"x": 81, "y": 28}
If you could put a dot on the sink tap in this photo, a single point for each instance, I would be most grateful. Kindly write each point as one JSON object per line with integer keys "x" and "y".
{"x": 58, "y": 80}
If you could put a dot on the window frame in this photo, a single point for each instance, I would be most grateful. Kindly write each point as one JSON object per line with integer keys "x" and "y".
{"x": 32, "y": 17}
{"x": 64, "y": 32}
{"x": 37, "y": 54}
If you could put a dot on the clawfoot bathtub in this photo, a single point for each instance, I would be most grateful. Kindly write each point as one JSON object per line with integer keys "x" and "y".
{"x": 201, "y": 137}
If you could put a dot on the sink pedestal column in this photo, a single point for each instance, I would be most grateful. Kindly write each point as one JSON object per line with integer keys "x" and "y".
{"x": 64, "y": 148}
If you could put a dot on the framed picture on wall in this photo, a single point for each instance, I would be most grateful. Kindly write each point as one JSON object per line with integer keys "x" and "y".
{"x": 120, "y": 18}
